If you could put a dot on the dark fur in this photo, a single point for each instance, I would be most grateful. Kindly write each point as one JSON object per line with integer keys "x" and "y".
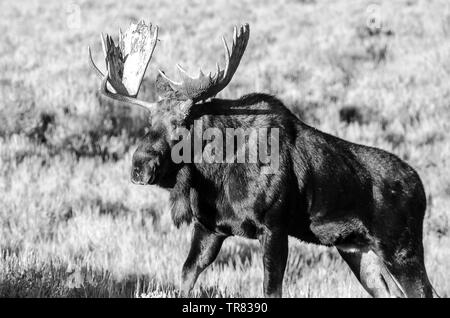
{"x": 363, "y": 200}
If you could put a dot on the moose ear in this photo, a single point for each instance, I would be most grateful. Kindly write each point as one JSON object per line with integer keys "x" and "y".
{"x": 162, "y": 86}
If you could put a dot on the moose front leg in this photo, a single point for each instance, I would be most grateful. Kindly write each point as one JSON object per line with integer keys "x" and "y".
{"x": 275, "y": 252}
{"x": 205, "y": 245}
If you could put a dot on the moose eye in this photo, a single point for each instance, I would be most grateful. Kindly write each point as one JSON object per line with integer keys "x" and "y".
{"x": 174, "y": 123}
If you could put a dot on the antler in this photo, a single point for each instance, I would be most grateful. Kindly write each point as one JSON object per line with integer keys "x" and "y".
{"x": 203, "y": 87}
{"x": 126, "y": 63}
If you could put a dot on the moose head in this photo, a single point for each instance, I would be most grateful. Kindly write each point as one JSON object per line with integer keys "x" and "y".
{"x": 126, "y": 65}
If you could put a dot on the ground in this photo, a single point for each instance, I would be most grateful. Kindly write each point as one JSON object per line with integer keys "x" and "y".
{"x": 71, "y": 222}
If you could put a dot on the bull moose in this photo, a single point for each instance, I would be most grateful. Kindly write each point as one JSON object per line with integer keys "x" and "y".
{"x": 364, "y": 201}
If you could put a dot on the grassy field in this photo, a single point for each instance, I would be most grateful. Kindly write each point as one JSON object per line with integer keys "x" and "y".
{"x": 71, "y": 222}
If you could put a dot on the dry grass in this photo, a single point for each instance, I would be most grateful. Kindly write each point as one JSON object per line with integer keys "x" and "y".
{"x": 72, "y": 224}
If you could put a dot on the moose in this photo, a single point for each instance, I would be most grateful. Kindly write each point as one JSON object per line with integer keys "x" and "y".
{"x": 366, "y": 202}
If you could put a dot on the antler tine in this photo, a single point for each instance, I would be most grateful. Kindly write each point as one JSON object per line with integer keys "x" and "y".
{"x": 94, "y": 67}
{"x": 171, "y": 82}
{"x": 102, "y": 38}
{"x": 183, "y": 74}
{"x": 240, "y": 40}
{"x": 227, "y": 52}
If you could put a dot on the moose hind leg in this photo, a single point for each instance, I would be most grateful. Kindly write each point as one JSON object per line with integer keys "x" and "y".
{"x": 414, "y": 279}
{"x": 407, "y": 265}
{"x": 372, "y": 273}
{"x": 404, "y": 257}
